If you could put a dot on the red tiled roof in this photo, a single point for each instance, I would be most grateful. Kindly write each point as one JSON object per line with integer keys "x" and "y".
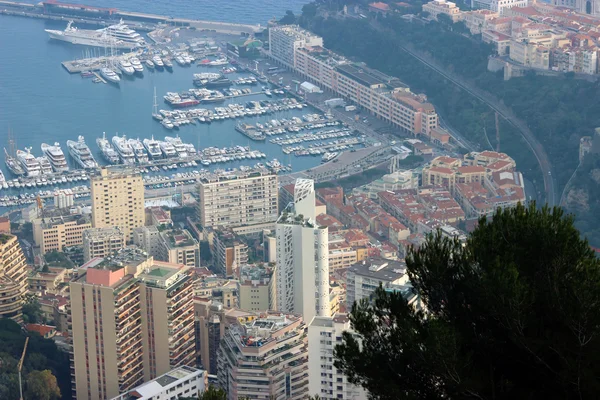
{"x": 43, "y": 330}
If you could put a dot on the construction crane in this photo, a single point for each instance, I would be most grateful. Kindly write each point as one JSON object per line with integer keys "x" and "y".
{"x": 20, "y": 367}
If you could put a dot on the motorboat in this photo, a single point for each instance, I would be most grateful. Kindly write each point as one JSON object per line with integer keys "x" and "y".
{"x": 138, "y": 150}
{"x": 81, "y": 153}
{"x": 110, "y": 75}
{"x": 153, "y": 148}
{"x": 179, "y": 146}
{"x": 168, "y": 149}
{"x": 158, "y": 62}
{"x": 108, "y": 152}
{"x": 28, "y": 162}
{"x": 136, "y": 64}
{"x": 123, "y": 148}
{"x": 125, "y": 66}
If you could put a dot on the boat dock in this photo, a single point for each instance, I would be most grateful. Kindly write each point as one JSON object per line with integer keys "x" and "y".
{"x": 103, "y": 16}
{"x": 101, "y": 79}
{"x": 92, "y": 64}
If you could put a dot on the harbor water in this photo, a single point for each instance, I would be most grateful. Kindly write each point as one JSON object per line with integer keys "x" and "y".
{"x": 41, "y": 102}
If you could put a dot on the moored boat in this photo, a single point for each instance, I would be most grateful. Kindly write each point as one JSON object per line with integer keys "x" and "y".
{"x": 56, "y": 157}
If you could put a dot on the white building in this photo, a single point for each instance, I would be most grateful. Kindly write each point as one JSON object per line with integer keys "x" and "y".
{"x": 63, "y": 198}
{"x": 302, "y": 274}
{"x": 436, "y": 7}
{"x": 285, "y": 40}
{"x": 364, "y": 277}
{"x": 181, "y": 382}
{"x": 148, "y": 238}
{"x": 500, "y": 6}
{"x": 325, "y": 380}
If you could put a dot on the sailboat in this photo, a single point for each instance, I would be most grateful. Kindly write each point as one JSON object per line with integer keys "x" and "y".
{"x": 155, "y": 114}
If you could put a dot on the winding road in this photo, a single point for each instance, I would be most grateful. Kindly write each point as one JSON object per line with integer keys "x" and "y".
{"x": 535, "y": 146}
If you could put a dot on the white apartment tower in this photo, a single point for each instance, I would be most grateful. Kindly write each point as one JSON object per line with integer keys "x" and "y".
{"x": 302, "y": 274}
{"x": 324, "y": 379}
{"x": 285, "y": 40}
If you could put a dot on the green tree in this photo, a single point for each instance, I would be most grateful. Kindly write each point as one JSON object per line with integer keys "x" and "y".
{"x": 512, "y": 314}
{"x": 213, "y": 393}
{"x": 288, "y": 19}
{"x": 32, "y": 310}
{"x": 42, "y": 385}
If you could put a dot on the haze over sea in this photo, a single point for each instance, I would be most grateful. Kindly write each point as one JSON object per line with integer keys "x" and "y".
{"x": 40, "y": 102}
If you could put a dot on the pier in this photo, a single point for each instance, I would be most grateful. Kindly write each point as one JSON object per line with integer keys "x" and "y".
{"x": 105, "y": 16}
{"x": 92, "y": 64}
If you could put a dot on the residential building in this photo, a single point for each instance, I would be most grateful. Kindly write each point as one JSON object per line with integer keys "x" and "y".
{"x": 229, "y": 251}
{"x": 117, "y": 200}
{"x": 64, "y": 198}
{"x": 401, "y": 179}
{"x": 54, "y": 233}
{"x": 447, "y": 171}
{"x": 266, "y": 358}
{"x": 325, "y": 380}
{"x": 4, "y": 225}
{"x": 46, "y": 282}
{"x": 13, "y": 278}
{"x": 148, "y": 238}
{"x": 302, "y": 273}
{"x": 102, "y": 242}
{"x": 364, "y": 277}
{"x": 269, "y": 246}
{"x": 158, "y": 216}
{"x": 284, "y": 40}
{"x": 256, "y": 288}
{"x": 500, "y": 190}
{"x": 179, "y": 247}
{"x": 183, "y": 381}
{"x": 238, "y": 199}
{"x": 211, "y": 319}
{"x": 436, "y": 7}
{"x": 131, "y": 320}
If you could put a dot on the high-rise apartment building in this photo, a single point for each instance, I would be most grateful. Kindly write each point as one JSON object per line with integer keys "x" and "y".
{"x": 302, "y": 273}
{"x": 236, "y": 199}
{"x": 102, "y": 242}
{"x": 229, "y": 251}
{"x": 13, "y": 278}
{"x": 131, "y": 319}
{"x": 148, "y": 238}
{"x": 179, "y": 247}
{"x": 55, "y": 233}
{"x": 118, "y": 200}
{"x": 325, "y": 380}
{"x": 286, "y": 39}
{"x": 266, "y": 358}
{"x": 256, "y": 288}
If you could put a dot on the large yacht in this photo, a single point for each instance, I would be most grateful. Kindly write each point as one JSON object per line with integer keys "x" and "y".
{"x": 125, "y": 34}
{"x": 107, "y": 150}
{"x": 136, "y": 64}
{"x": 180, "y": 148}
{"x": 118, "y": 36}
{"x": 55, "y": 156}
{"x": 30, "y": 165}
{"x": 45, "y": 166}
{"x": 138, "y": 149}
{"x": 96, "y": 38}
{"x": 124, "y": 149}
{"x": 81, "y": 153}
{"x": 13, "y": 164}
{"x": 153, "y": 147}
{"x": 126, "y": 67}
{"x": 167, "y": 149}
{"x": 110, "y": 75}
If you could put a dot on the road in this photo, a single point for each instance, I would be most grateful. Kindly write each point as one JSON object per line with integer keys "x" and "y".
{"x": 535, "y": 146}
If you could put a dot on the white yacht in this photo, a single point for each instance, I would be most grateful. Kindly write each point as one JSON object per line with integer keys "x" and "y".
{"x": 125, "y": 66}
{"x": 136, "y": 64}
{"x": 167, "y": 149}
{"x": 153, "y": 147}
{"x": 124, "y": 149}
{"x": 180, "y": 148}
{"x": 107, "y": 150}
{"x": 158, "y": 62}
{"x": 55, "y": 156}
{"x": 110, "y": 75}
{"x": 96, "y": 38}
{"x": 125, "y": 34}
{"x": 30, "y": 165}
{"x": 13, "y": 164}
{"x": 139, "y": 151}
{"x": 219, "y": 62}
{"x": 81, "y": 153}
{"x": 45, "y": 166}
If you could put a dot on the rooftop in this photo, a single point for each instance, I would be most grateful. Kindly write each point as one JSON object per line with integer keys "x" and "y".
{"x": 162, "y": 274}
{"x": 164, "y": 382}
{"x": 234, "y": 175}
{"x": 129, "y": 256}
{"x": 379, "y": 268}
{"x": 51, "y": 222}
{"x": 178, "y": 238}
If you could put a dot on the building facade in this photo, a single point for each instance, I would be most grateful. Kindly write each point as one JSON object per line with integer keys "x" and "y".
{"x": 181, "y": 382}
{"x": 364, "y": 277}
{"x": 256, "y": 288}
{"x": 102, "y": 242}
{"x": 266, "y": 358}
{"x": 118, "y": 200}
{"x": 302, "y": 273}
{"x": 285, "y": 40}
{"x": 148, "y": 238}
{"x": 230, "y": 252}
{"x": 13, "y": 278}
{"x": 325, "y": 380}
{"x": 131, "y": 320}
{"x": 239, "y": 199}
{"x": 179, "y": 247}
{"x": 55, "y": 233}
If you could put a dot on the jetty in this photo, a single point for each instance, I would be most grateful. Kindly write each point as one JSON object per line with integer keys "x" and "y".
{"x": 55, "y": 10}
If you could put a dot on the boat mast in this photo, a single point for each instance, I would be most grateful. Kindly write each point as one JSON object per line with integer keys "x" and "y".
{"x": 155, "y": 106}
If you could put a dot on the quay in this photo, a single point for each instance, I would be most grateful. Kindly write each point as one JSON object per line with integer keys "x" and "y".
{"x": 99, "y": 77}
{"x": 54, "y": 10}
{"x": 92, "y": 64}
